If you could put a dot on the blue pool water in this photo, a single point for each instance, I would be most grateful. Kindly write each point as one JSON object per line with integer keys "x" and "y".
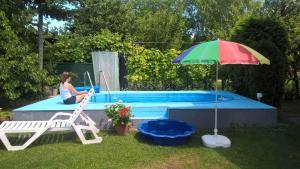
{"x": 160, "y": 97}
{"x": 87, "y": 88}
{"x": 153, "y": 104}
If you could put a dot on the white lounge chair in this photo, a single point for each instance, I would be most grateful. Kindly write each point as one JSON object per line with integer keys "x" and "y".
{"x": 54, "y": 124}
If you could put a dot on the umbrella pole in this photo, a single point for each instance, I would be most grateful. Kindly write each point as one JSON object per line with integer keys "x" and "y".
{"x": 216, "y": 103}
{"x": 216, "y": 140}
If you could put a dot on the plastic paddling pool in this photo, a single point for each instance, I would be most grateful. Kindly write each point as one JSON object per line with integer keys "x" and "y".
{"x": 166, "y": 132}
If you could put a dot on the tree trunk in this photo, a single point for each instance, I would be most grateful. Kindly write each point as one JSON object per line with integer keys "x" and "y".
{"x": 40, "y": 35}
{"x": 296, "y": 81}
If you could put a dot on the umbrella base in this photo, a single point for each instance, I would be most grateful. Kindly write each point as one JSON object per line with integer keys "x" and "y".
{"x": 213, "y": 141}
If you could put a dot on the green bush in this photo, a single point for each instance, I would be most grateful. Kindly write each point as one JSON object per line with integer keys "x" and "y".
{"x": 5, "y": 114}
{"x": 268, "y": 36}
{"x": 152, "y": 69}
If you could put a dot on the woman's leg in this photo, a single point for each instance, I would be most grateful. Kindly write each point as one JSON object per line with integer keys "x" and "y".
{"x": 80, "y": 97}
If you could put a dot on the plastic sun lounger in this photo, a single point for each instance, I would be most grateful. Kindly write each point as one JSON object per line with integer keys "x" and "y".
{"x": 54, "y": 124}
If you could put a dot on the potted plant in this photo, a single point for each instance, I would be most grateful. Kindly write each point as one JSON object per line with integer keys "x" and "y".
{"x": 120, "y": 116}
{"x": 4, "y": 116}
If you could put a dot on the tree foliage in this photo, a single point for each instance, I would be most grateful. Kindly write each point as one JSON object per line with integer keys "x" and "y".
{"x": 269, "y": 37}
{"x": 143, "y": 21}
{"x": 288, "y": 11}
{"x": 213, "y": 19}
{"x": 94, "y": 15}
{"x": 20, "y": 19}
{"x": 19, "y": 72}
{"x": 159, "y": 21}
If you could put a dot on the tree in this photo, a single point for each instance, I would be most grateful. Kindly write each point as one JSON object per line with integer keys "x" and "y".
{"x": 214, "y": 19}
{"x": 20, "y": 18}
{"x": 49, "y": 8}
{"x": 94, "y": 15}
{"x": 142, "y": 21}
{"x": 269, "y": 37}
{"x": 19, "y": 74}
{"x": 288, "y": 11}
{"x": 161, "y": 22}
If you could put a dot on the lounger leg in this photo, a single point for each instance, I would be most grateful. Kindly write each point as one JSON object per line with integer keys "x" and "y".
{"x": 10, "y": 147}
{"x": 78, "y": 130}
{"x": 6, "y": 142}
{"x": 34, "y": 137}
{"x": 89, "y": 121}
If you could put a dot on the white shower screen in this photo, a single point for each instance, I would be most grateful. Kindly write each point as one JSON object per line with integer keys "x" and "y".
{"x": 108, "y": 63}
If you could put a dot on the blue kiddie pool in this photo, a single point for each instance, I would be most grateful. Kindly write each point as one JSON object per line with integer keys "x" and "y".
{"x": 87, "y": 88}
{"x": 166, "y": 132}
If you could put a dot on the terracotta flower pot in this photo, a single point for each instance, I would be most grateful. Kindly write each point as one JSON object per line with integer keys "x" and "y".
{"x": 121, "y": 129}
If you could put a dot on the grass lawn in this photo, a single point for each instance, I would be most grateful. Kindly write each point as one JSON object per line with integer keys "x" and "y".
{"x": 291, "y": 108}
{"x": 276, "y": 148}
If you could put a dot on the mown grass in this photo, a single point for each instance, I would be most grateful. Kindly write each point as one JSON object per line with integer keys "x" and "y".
{"x": 252, "y": 148}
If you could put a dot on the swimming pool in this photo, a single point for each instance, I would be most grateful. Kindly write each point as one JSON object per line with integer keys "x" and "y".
{"x": 194, "y": 107}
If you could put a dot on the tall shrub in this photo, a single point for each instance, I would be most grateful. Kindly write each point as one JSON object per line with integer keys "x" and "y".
{"x": 268, "y": 36}
{"x": 78, "y": 48}
{"x": 19, "y": 73}
{"x": 152, "y": 69}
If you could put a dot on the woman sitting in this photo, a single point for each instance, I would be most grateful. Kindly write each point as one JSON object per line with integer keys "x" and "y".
{"x": 68, "y": 92}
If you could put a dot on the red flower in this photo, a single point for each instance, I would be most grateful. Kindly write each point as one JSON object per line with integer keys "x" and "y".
{"x": 123, "y": 112}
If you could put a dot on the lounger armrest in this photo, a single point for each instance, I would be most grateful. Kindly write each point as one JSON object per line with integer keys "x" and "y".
{"x": 86, "y": 118}
{"x": 59, "y": 114}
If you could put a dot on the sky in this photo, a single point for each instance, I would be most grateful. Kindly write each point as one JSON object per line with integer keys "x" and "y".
{"x": 53, "y": 22}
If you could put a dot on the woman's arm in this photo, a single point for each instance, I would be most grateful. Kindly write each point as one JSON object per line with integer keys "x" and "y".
{"x": 74, "y": 91}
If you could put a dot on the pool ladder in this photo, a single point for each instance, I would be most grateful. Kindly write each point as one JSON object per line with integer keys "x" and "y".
{"x": 91, "y": 83}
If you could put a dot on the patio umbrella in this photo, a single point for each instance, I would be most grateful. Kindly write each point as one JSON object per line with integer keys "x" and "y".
{"x": 219, "y": 52}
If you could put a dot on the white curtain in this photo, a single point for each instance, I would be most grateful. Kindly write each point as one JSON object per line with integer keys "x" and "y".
{"x": 108, "y": 63}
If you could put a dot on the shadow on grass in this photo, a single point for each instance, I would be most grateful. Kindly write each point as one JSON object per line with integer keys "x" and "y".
{"x": 110, "y": 132}
{"x": 50, "y": 138}
{"x": 143, "y": 139}
{"x": 256, "y": 148}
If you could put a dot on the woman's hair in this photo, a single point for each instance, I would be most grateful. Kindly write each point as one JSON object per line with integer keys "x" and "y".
{"x": 65, "y": 76}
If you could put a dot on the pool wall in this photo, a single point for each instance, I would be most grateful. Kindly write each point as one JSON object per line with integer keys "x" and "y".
{"x": 204, "y": 118}
{"x": 198, "y": 118}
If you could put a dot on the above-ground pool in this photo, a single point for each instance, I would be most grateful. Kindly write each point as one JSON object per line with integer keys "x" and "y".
{"x": 166, "y": 132}
{"x": 194, "y": 107}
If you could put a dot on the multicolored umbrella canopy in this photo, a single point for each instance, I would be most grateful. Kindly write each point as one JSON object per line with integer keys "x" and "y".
{"x": 221, "y": 51}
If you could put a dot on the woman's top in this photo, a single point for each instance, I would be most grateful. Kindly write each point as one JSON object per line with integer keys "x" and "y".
{"x": 64, "y": 93}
